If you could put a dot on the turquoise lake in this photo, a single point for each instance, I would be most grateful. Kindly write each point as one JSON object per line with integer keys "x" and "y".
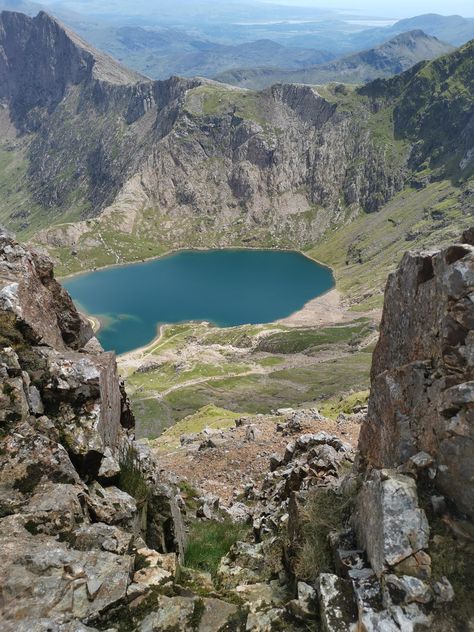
{"x": 224, "y": 287}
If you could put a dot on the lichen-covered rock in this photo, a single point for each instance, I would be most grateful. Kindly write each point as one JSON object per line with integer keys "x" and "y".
{"x": 42, "y": 578}
{"x": 29, "y": 292}
{"x": 112, "y": 506}
{"x": 407, "y": 589}
{"x": 89, "y": 419}
{"x": 336, "y": 603}
{"x": 389, "y": 522}
{"x": 422, "y": 396}
{"x": 188, "y": 614}
{"x": 264, "y": 593}
{"x": 102, "y": 536}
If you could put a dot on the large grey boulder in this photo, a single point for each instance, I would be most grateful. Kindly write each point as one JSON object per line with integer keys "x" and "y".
{"x": 42, "y": 578}
{"x": 389, "y": 523}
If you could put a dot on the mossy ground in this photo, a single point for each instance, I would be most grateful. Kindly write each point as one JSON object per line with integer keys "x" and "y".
{"x": 209, "y": 541}
{"x": 344, "y": 404}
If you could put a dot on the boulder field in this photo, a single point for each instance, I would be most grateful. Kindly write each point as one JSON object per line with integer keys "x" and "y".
{"x": 335, "y": 537}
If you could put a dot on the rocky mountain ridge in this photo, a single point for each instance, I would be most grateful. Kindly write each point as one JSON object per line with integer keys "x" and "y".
{"x": 187, "y": 162}
{"x": 392, "y": 57}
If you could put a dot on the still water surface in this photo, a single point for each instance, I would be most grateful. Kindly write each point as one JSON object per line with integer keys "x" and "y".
{"x": 224, "y": 287}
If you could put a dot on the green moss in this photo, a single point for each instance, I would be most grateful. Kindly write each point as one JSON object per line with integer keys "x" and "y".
{"x": 344, "y": 404}
{"x": 131, "y": 479}
{"x": 190, "y": 495}
{"x": 209, "y": 541}
{"x": 197, "y": 614}
{"x": 31, "y": 527}
{"x": 33, "y": 476}
{"x": 10, "y": 335}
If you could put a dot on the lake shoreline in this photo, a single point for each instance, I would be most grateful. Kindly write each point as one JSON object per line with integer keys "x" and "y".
{"x": 323, "y": 309}
{"x": 323, "y": 315}
{"x": 170, "y": 253}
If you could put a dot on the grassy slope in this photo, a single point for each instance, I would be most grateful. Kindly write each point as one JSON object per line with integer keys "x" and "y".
{"x": 414, "y": 219}
{"x": 248, "y": 369}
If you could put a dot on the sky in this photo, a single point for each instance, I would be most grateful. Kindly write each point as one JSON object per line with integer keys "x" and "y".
{"x": 389, "y": 8}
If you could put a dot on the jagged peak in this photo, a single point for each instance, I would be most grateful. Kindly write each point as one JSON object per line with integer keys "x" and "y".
{"x": 44, "y": 25}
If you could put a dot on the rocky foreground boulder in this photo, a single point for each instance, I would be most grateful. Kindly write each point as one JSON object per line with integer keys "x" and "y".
{"x": 78, "y": 497}
{"x": 423, "y": 371}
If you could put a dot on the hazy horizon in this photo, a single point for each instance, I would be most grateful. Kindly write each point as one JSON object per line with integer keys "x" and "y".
{"x": 395, "y": 9}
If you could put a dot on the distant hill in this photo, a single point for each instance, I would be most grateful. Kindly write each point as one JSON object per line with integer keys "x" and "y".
{"x": 160, "y": 53}
{"x": 453, "y": 29}
{"x": 395, "y": 56}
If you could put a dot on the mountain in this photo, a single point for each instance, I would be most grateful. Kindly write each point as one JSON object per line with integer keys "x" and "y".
{"x": 160, "y": 53}
{"x": 398, "y": 54}
{"x": 453, "y": 29}
{"x": 97, "y": 161}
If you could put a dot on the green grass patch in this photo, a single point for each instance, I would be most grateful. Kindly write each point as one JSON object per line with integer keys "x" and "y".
{"x": 152, "y": 416}
{"x": 208, "y": 416}
{"x": 271, "y": 361}
{"x": 219, "y": 100}
{"x": 325, "y": 511}
{"x": 189, "y": 494}
{"x": 280, "y": 388}
{"x": 365, "y": 251}
{"x": 344, "y": 404}
{"x": 303, "y": 340}
{"x": 209, "y": 541}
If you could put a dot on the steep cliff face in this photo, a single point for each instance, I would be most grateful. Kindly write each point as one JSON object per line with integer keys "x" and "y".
{"x": 41, "y": 59}
{"x": 288, "y": 159}
{"x": 69, "y": 531}
{"x": 442, "y": 126}
{"x": 422, "y": 373}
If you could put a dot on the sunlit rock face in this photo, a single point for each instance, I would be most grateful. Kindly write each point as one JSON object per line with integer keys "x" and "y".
{"x": 422, "y": 395}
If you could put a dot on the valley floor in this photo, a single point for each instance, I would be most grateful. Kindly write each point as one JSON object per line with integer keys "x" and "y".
{"x": 251, "y": 369}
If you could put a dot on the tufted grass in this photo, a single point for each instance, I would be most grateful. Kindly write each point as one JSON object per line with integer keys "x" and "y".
{"x": 209, "y": 541}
